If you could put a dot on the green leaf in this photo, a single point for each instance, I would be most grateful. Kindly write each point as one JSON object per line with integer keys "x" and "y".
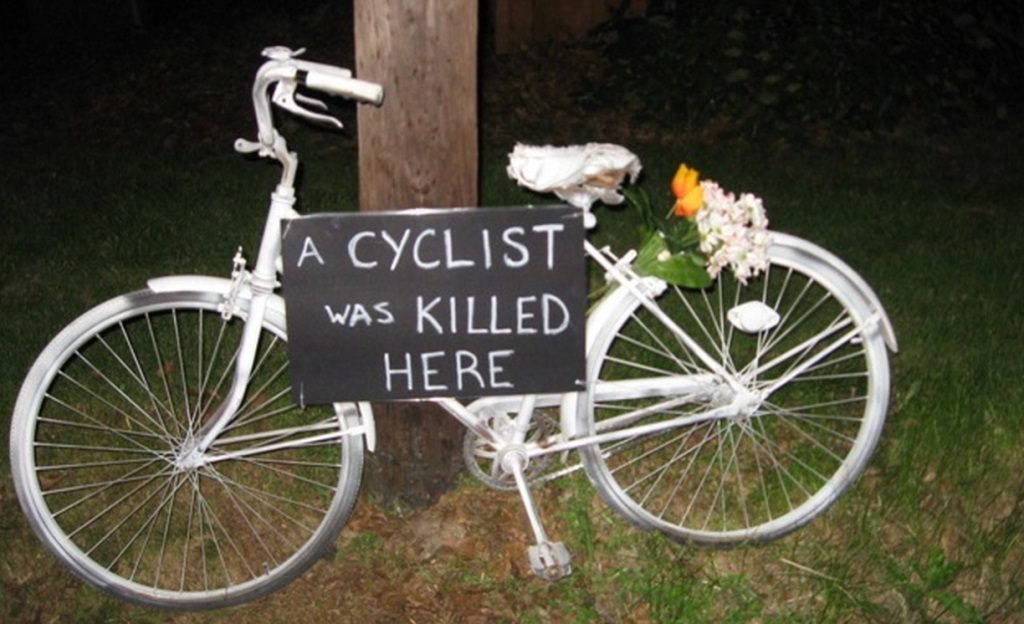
{"x": 639, "y": 198}
{"x": 649, "y": 250}
{"x": 680, "y": 234}
{"x": 686, "y": 269}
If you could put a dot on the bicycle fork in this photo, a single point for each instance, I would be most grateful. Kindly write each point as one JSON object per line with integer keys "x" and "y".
{"x": 261, "y": 281}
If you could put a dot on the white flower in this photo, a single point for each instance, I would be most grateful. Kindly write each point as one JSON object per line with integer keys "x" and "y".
{"x": 733, "y": 232}
{"x": 578, "y": 174}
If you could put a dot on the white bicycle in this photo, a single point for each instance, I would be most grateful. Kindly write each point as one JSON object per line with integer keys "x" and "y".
{"x": 157, "y": 453}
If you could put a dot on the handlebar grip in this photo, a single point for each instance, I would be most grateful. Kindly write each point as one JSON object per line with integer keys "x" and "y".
{"x": 352, "y": 88}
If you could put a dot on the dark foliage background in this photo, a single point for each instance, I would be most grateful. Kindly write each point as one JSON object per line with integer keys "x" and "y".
{"x": 858, "y": 65}
{"x": 732, "y": 69}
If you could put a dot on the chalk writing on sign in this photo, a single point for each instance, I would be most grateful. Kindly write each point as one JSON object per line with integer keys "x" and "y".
{"x": 415, "y": 304}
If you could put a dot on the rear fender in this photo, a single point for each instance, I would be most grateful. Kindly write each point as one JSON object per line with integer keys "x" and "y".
{"x": 818, "y": 262}
{"x": 826, "y": 265}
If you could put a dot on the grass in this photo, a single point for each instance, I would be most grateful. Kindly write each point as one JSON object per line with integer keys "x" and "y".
{"x": 930, "y": 533}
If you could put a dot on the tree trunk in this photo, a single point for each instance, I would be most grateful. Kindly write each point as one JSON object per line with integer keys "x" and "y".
{"x": 418, "y": 150}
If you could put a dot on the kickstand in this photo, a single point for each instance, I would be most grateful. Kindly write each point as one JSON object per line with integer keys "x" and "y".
{"x": 549, "y": 560}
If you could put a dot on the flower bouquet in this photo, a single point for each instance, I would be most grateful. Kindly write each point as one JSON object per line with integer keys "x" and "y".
{"x": 704, "y": 231}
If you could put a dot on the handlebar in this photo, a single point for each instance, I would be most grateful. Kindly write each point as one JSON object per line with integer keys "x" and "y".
{"x": 351, "y": 88}
{"x": 285, "y": 73}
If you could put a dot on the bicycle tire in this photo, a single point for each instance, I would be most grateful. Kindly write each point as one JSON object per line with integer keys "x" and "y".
{"x": 115, "y": 397}
{"x": 754, "y": 477}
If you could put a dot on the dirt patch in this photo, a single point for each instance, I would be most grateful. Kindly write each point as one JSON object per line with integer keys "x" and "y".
{"x": 461, "y": 560}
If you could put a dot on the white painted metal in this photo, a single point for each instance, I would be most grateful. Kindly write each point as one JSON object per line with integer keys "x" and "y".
{"x": 821, "y": 262}
{"x": 275, "y": 307}
{"x": 753, "y": 317}
{"x": 868, "y": 325}
{"x": 503, "y": 423}
{"x": 109, "y": 319}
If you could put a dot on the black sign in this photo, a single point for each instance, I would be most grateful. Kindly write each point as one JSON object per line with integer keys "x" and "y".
{"x": 428, "y": 303}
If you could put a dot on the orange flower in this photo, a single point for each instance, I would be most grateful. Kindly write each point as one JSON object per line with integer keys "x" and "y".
{"x": 688, "y": 191}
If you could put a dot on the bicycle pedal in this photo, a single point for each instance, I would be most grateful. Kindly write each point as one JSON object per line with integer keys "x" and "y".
{"x": 550, "y": 560}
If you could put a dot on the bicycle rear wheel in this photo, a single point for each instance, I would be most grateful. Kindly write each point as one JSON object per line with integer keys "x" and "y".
{"x": 111, "y": 404}
{"x": 751, "y": 476}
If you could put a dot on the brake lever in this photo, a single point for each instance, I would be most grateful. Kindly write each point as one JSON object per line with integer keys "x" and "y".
{"x": 308, "y": 101}
{"x": 285, "y": 97}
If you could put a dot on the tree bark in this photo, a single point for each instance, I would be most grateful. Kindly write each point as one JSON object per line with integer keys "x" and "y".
{"x": 418, "y": 150}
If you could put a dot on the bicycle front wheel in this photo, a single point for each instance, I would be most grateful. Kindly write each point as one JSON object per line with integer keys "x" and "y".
{"x": 808, "y": 345}
{"x": 104, "y": 418}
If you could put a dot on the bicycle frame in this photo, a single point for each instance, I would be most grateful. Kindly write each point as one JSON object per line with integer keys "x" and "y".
{"x": 97, "y": 434}
{"x": 726, "y": 394}
{"x": 723, "y": 393}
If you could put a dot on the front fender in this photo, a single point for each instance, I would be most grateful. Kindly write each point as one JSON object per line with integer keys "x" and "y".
{"x": 219, "y": 285}
{"x": 275, "y": 314}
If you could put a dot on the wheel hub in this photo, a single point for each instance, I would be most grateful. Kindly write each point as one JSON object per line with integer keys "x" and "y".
{"x": 747, "y": 403}
{"x": 188, "y": 457}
